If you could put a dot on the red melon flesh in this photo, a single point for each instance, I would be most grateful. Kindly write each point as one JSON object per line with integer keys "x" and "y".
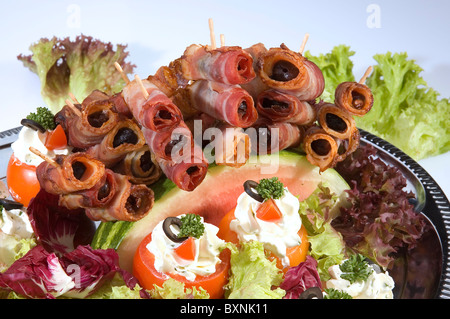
{"x": 220, "y": 189}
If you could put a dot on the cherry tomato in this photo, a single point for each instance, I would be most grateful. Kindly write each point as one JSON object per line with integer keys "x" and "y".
{"x": 144, "y": 270}
{"x": 296, "y": 254}
{"x": 22, "y": 182}
{"x": 56, "y": 139}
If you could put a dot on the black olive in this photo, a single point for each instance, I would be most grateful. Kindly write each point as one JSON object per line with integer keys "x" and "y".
{"x": 335, "y": 122}
{"x": 10, "y": 204}
{"x": 284, "y": 71}
{"x": 358, "y": 100}
{"x": 97, "y": 119}
{"x": 250, "y": 189}
{"x": 176, "y": 143}
{"x": 322, "y": 147}
{"x": 33, "y": 125}
{"x": 78, "y": 169}
{"x": 104, "y": 191}
{"x": 273, "y": 104}
{"x": 125, "y": 135}
{"x": 145, "y": 161}
{"x": 169, "y": 221}
{"x": 311, "y": 293}
{"x": 242, "y": 109}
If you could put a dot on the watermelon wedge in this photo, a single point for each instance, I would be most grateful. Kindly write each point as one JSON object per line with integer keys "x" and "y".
{"x": 216, "y": 196}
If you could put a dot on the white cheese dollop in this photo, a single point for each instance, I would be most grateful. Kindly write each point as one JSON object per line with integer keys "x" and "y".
{"x": 275, "y": 236}
{"x": 207, "y": 247}
{"x": 15, "y": 222}
{"x": 379, "y": 285}
{"x": 29, "y": 137}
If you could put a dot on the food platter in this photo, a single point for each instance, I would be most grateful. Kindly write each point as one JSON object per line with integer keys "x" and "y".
{"x": 423, "y": 272}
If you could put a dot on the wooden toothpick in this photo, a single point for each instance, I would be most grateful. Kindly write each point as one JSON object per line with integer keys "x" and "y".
{"x": 73, "y": 108}
{"x": 305, "y": 39}
{"x": 222, "y": 40}
{"x": 143, "y": 89}
{"x": 43, "y": 156}
{"x": 366, "y": 74}
{"x": 73, "y": 98}
{"x": 122, "y": 74}
{"x": 211, "y": 33}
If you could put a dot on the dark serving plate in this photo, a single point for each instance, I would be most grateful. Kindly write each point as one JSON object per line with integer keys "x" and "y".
{"x": 421, "y": 273}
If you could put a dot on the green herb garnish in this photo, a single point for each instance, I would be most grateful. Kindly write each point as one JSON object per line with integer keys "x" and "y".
{"x": 270, "y": 188}
{"x": 191, "y": 226}
{"x": 332, "y": 293}
{"x": 44, "y": 117}
{"x": 355, "y": 269}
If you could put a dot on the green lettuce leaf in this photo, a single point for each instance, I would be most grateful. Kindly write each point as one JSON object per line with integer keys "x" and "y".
{"x": 116, "y": 289}
{"x": 13, "y": 248}
{"x": 252, "y": 274}
{"x": 77, "y": 67}
{"x": 326, "y": 244}
{"x": 336, "y": 66}
{"x": 406, "y": 112}
{"x": 173, "y": 289}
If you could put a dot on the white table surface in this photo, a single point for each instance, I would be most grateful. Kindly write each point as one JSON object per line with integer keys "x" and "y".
{"x": 157, "y": 32}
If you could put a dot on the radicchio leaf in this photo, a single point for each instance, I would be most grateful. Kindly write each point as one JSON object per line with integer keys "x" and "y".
{"x": 77, "y": 274}
{"x": 57, "y": 228}
{"x": 299, "y": 278}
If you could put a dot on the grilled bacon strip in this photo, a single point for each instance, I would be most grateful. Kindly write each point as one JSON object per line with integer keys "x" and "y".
{"x": 140, "y": 166}
{"x": 229, "y": 64}
{"x": 125, "y": 137}
{"x": 354, "y": 97}
{"x": 288, "y": 71}
{"x": 320, "y": 147}
{"x": 282, "y": 107}
{"x": 168, "y": 142}
{"x": 271, "y": 137}
{"x": 156, "y": 112}
{"x": 335, "y": 121}
{"x": 97, "y": 196}
{"x": 188, "y": 171}
{"x": 228, "y": 103}
{"x": 129, "y": 202}
{"x": 75, "y": 172}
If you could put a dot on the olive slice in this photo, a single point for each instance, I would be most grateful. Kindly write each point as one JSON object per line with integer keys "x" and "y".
{"x": 33, "y": 125}
{"x": 311, "y": 293}
{"x": 169, "y": 221}
{"x": 250, "y": 189}
{"x": 10, "y": 204}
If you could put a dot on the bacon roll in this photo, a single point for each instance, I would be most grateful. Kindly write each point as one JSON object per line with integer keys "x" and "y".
{"x": 74, "y": 172}
{"x": 320, "y": 147}
{"x": 155, "y": 112}
{"x": 186, "y": 172}
{"x": 125, "y": 137}
{"x": 288, "y": 71}
{"x": 140, "y": 166}
{"x": 282, "y": 107}
{"x": 270, "y": 137}
{"x": 228, "y": 64}
{"x": 129, "y": 202}
{"x": 169, "y": 142}
{"x": 335, "y": 121}
{"x": 354, "y": 97}
{"x": 229, "y": 103}
{"x": 97, "y": 196}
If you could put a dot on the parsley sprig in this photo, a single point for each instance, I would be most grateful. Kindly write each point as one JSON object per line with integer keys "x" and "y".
{"x": 44, "y": 117}
{"x": 191, "y": 226}
{"x": 332, "y": 293}
{"x": 270, "y": 188}
{"x": 355, "y": 269}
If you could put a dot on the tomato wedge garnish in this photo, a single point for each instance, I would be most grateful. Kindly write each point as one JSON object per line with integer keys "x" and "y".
{"x": 186, "y": 250}
{"x": 22, "y": 181}
{"x": 56, "y": 139}
{"x": 269, "y": 211}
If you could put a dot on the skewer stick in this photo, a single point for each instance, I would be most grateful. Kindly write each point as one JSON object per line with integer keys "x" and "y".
{"x": 73, "y": 107}
{"x": 143, "y": 89}
{"x": 222, "y": 40}
{"x": 366, "y": 74}
{"x": 44, "y": 157}
{"x": 122, "y": 74}
{"x": 211, "y": 33}
{"x": 73, "y": 98}
{"x": 305, "y": 39}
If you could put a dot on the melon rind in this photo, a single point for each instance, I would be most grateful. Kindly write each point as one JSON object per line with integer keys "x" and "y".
{"x": 218, "y": 192}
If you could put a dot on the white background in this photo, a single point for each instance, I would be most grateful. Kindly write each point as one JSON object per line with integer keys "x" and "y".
{"x": 157, "y": 32}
